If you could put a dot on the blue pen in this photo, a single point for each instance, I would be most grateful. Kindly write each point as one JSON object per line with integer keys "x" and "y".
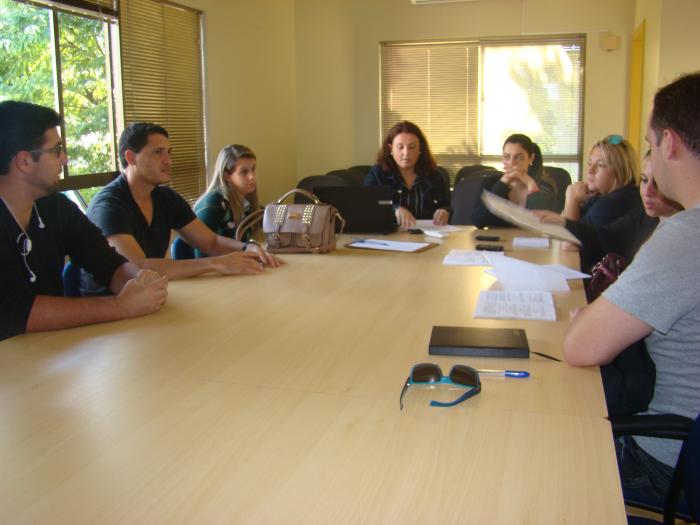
{"x": 504, "y": 373}
{"x": 369, "y": 241}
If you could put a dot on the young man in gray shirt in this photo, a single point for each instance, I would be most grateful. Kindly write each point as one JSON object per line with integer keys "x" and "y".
{"x": 658, "y": 296}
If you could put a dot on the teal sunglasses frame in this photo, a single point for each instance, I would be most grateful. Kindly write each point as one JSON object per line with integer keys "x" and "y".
{"x": 431, "y": 374}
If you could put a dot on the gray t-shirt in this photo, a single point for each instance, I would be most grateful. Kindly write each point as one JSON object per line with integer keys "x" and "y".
{"x": 662, "y": 288}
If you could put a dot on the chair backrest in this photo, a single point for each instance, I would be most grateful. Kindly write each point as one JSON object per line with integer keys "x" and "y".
{"x": 475, "y": 170}
{"x": 465, "y": 195}
{"x": 558, "y": 179}
{"x": 314, "y": 181}
{"x": 180, "y": 250}
{"x": 71, "y": 280}
{"x": 351, "y": 176}
{"x": 362, "y": 168}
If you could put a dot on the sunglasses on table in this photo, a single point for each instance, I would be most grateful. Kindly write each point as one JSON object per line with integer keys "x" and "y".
{"x": 431, "y": 374}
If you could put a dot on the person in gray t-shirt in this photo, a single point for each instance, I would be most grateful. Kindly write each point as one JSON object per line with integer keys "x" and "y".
{"x": 658, "y": 296}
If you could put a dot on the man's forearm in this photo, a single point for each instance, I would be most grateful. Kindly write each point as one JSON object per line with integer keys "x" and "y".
{"x": 180, "y": 269}
{"x": 53, "y": 313}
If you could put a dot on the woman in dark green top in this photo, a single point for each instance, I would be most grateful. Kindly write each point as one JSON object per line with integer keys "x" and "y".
{"x": 232, "y": 193}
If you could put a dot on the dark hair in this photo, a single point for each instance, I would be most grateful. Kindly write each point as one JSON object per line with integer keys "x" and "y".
{"x": 532, "y": 149}
{"x": 426, "y": 163}
{"x": 676, "y": 107}
{"x": 22, "y": 128}
{"x": 135, "y": 137}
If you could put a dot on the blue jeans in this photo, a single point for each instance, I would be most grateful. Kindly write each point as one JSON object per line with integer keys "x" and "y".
{"x": 644, "y": 479}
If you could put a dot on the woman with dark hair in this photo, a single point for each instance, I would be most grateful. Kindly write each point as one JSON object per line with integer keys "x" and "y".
{"x": 405, "y": 163}
{"x": 521, "y": 181}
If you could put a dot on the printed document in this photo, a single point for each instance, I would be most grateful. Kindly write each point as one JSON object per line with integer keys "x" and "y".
{"x": 515, "y": 305}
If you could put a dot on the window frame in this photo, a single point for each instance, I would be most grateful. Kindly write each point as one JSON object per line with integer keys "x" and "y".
{"x": 476, "y": 143}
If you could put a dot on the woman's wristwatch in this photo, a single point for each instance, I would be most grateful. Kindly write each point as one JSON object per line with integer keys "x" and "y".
{"x": 252, "y": 241}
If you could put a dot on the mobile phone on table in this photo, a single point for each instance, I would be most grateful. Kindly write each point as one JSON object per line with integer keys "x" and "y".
{"x": 490, "y": 247}
{"x": 490, "y": 238}
{"x": 415, "y": 230}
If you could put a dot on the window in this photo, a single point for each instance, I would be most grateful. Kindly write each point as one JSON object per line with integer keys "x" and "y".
{"x": 72, "y": 56}
{"x": 63, "y": 59}
{"x": 468, "y": 96}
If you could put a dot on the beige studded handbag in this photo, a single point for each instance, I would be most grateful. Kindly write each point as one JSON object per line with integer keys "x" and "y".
{"x": 296, "y": 228}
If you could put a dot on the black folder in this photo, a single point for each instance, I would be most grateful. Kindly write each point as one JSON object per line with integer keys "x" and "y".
{"x": 479, "y": 342}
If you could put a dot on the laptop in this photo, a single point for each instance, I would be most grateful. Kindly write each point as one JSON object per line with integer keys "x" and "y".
{"x": 366, "y": 209}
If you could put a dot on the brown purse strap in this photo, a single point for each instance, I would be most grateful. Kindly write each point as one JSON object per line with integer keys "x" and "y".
{"x": 305, "y": 193}
{"x": 248, "y": 222}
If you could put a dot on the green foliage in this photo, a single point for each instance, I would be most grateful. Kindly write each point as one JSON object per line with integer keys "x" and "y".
{"x": 26, "y": 73}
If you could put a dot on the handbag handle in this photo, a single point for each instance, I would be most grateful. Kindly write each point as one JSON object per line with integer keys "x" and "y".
{"x": 305, "y": 193}
{"x": 248, "y": 222}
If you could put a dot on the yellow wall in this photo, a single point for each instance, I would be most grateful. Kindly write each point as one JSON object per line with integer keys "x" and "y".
{"x": 671, "y": 44}
{"x": 250, "y": 85}
{"x": 298, "y": 80}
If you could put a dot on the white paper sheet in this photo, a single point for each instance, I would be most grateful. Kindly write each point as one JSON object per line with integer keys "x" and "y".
{"x": 468, "y": 258}
{"x": 389, "y": 246}
{"x": 515, "y": 275}
{"x": 514, "y": 214}
{"x": 530, "y": 242}
{"x": 567, "y": 272}
{"x": 427, "y": 224}
{"x": 515, "y": 305}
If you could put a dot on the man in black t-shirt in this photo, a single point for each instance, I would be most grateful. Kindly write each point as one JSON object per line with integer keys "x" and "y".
{"x": 136, "y": 214}
{"x": 39, "y": 228}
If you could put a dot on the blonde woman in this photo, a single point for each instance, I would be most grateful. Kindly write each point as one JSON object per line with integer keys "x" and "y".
{"x": 231, "y": 195}
{"x": 610, "y": 188}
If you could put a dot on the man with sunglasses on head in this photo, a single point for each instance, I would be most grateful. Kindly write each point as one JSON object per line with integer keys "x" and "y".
{"x": 39, "y": 228}
{"x": 658, "y": 296}
{"x": 137, "y": 212}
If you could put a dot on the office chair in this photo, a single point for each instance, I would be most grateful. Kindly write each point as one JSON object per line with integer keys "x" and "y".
{"x": 351, "y": 176}
{"x": 465, "y": 195}
{"x": 475, "y": 170}
{"x": 558, "y": 179}
{"x": 314, "y": 181}
{"x": 180, "y": 250}
{"x": 362, "y": 168}
{"x": 71, "y": 280}
{"x": 686, "y": 475}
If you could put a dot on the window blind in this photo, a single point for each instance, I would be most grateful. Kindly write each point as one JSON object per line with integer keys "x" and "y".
{"x": 162, "y": 82}
{"x": 468, "y": 96}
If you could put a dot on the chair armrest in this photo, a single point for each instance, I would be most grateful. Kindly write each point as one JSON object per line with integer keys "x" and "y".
{"x": 668, "y": 426}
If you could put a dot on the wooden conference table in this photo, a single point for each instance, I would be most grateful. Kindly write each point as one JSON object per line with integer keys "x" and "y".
{"x": 274, "y": 399}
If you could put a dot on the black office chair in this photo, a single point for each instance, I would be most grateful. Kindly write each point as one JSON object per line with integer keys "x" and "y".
{"x": 362, "y": 168}
{"x": 686, "y": 475}
{"x": 465, "y": 195}
{"x": 180, "y": 250}
{"x": 475, "y": 170}
{"x": 314, "y": 181}
{"x": 351, "y": 176}
{"x": 558, "y": 179}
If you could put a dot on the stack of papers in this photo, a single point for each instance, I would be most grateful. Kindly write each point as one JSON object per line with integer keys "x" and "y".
{"x": 530, "y": 242}
{"x": 516, "y": 305}
{"x": 468, "y": 258}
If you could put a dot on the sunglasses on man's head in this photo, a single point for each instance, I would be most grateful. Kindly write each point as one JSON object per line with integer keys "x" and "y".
{"x": 430, "y": 373}
{"x": 614, "y": 139}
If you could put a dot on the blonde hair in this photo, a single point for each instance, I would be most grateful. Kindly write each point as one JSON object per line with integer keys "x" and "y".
{"x": 621, "y": 159}
{"x": 225, "y": 165}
